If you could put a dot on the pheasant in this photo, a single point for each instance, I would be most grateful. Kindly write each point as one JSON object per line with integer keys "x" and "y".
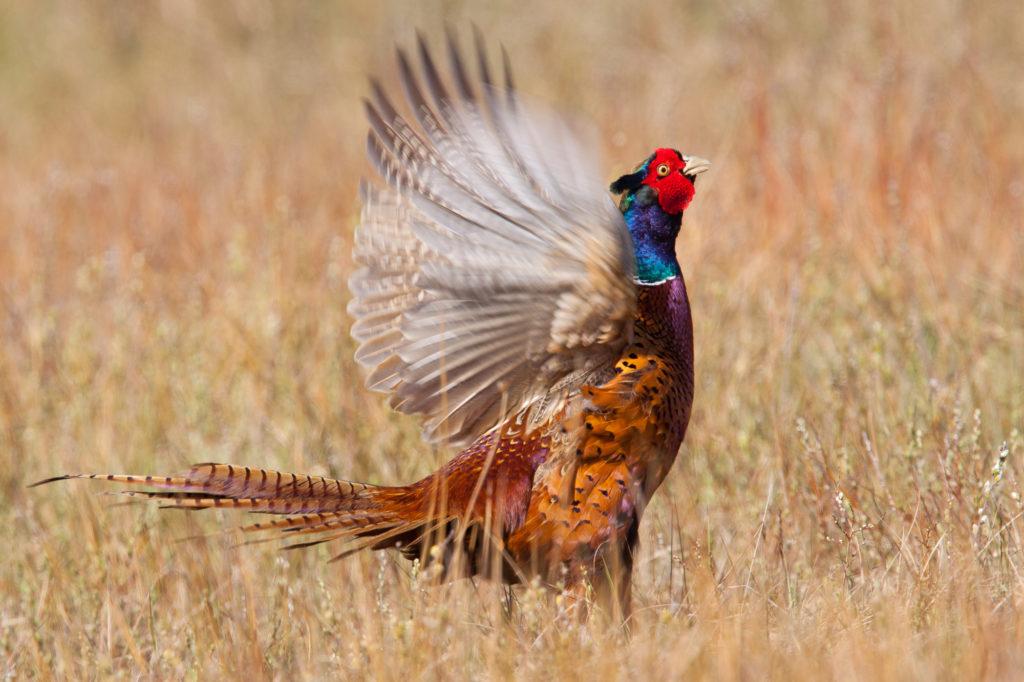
{"x": 505, "y": 298}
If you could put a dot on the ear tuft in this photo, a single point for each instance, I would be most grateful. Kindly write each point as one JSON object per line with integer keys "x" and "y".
{"x": 631, "y": 181}
{"x": 628, "y": 182}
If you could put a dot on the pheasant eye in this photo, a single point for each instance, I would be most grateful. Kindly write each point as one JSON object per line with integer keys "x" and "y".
{"x": 663, "y": 170}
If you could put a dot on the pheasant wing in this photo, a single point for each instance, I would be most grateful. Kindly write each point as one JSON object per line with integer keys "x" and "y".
{"x": 496, "y": 271}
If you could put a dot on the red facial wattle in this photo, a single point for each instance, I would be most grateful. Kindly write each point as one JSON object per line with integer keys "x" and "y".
{"x": 675, "y": 190}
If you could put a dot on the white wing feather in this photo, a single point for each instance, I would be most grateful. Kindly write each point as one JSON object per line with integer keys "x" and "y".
{"x": 495, "y": 266}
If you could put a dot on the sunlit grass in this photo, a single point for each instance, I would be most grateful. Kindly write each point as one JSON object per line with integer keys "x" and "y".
{"x": 178, "y": 197}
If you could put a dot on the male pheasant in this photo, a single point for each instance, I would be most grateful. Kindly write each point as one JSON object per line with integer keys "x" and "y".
{"x": 505, "y": 299}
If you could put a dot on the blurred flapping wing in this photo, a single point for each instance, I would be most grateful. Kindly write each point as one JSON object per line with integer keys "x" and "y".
{"x": 495, "y": 268}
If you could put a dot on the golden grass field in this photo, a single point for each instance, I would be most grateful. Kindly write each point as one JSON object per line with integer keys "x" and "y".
{"x": 177, "y": 199}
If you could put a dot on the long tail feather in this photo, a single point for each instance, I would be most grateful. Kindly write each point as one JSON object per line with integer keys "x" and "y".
{"x": 275, "y": 505}
{"x": 232, "y": 481}
{"x": 331, "y": 509}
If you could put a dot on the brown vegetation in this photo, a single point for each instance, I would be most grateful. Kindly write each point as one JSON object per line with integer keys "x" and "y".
{"x": 178, "y": 196}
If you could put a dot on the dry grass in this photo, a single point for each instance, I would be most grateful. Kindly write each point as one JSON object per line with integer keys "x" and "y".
{"x": 178, "y": 196}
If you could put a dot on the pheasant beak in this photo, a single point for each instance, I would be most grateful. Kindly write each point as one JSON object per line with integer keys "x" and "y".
{"x": 695, "y": 166}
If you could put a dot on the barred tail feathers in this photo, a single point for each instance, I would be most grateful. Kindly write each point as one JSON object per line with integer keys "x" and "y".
{"x": 364, "y": 516}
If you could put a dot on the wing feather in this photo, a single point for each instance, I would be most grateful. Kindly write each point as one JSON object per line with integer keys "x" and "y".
{"x": 494, "y": 265}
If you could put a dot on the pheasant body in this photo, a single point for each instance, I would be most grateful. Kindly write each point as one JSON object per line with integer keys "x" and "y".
{"x": 637, "y": 420}
{"x": 505, "y": 299}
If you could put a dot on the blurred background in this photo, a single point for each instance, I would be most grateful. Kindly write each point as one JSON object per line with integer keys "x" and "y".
{"x": 177, "y": 199}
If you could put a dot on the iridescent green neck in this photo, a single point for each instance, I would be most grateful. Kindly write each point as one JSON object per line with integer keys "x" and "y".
{"x": 654, "y": 235}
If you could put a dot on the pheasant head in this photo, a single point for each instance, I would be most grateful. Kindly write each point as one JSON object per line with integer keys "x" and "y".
{"x": 654, "y": 197}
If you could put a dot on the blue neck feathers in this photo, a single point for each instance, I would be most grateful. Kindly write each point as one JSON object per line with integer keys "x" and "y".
{"x": 654, "y": 235}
